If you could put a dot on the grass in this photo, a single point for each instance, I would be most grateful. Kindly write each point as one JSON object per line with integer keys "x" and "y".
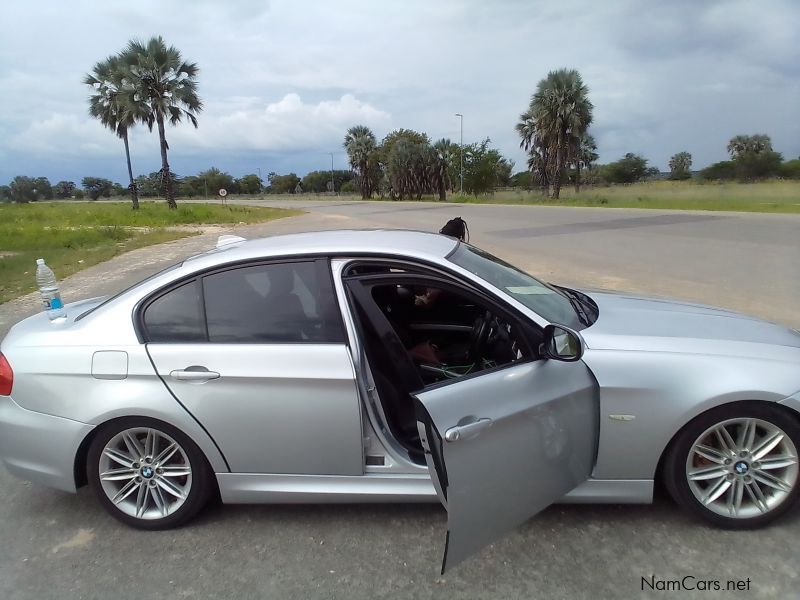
{"x": 71, "y": 236}
{"x": 768, "y": 196}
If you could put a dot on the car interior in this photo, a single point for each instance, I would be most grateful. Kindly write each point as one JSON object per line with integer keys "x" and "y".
{"x": 421, "y": 333}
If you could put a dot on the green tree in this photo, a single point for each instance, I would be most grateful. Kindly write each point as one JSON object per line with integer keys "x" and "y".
{"x": 558, "y": 115}
{"x": 114, "y": 104}
{"x": 791, "y": 169}
{"x": 250, "y": 184}
{"x": 43, "y": 188}
{"x": 484, "y": 168}
{"x": 361, "y": 148}
{"x": 165, "y": 89}
{"x": 719, "y": 171}
{"x": 521, "y": 179}
{"x": 583, "y": 154}
{"x": 216, "y": 180}
{"x": 442, "y": 168}
{"x": 629, "y": 169}
{"x": 96, "y": 187}
{"x": 680, "y": 166}
{"x": 282, "y": 184}
{"x": 5, "y": 193}
{"x": 22, "y": 189}
{"x": 749, "y": 144}
{"x": 64, "y": 189}
{"x": 318, "y": 182}
{"x": 752, "y": 166}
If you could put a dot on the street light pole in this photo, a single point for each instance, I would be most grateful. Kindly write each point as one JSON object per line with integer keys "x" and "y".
{"x": 461, "y": 146}
{"x": 333, "y": 188}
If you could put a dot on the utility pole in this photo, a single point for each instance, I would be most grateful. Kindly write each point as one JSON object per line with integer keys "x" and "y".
{"x": 333, "y": 189}
{"x": 461, "y": 145}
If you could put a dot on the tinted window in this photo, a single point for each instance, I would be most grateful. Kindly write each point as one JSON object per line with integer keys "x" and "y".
{"x": 176, "y": 316}
{"x": 285, "y": 302}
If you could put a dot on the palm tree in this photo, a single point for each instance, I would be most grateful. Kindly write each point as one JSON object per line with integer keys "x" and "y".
{"x": 559, "y": 113}
{"x": 360, "y": 144}
{"x": 585, "y": 153}
{"x": 738, "y": 144}
{"x": 680, "y": 166}
{"x": 538, "y": 155}
{"x": 442, "y": 159}
{"x": 111, "y": 105}
{"x": 165, "y": 89}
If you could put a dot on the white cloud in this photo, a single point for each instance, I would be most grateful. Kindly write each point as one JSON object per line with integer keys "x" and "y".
{"x": 288, "y": 77}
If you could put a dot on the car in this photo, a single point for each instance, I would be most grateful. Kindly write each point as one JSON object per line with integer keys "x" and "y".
{"x": 399, "y": 366}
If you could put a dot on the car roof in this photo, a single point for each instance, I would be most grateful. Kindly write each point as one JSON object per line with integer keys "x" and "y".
{"x": 337, "y": 242}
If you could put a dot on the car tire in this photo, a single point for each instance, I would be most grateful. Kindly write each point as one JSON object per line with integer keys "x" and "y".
{"x": 736, "y": 466}
{"x": 148, "y": 474}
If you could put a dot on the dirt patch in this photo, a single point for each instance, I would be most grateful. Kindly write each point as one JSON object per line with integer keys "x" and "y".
{"x": 7, "y": 253}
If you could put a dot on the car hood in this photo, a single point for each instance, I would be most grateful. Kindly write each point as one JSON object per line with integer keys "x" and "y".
{"x": 631, "y": 322}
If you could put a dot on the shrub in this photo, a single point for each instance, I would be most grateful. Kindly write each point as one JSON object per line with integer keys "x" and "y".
{"x": 723, "y": 170}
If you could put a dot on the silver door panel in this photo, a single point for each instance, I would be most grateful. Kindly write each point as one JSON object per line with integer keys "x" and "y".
{"x": 541, "y": 443}
{"x": 283, "y": 408}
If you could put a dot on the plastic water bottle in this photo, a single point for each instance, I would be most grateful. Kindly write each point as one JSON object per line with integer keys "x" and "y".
{"x": 48, "y": 288}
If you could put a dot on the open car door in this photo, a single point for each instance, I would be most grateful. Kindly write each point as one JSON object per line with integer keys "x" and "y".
{"x": 500, "y": 444}
{"x": 503, "y": 445}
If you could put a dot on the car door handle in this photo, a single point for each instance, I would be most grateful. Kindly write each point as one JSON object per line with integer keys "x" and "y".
{"x": 198, "y": 374}
{"x": 467, "y": 430}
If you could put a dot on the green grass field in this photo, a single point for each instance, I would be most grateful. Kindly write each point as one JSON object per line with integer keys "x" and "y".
{"x": 71, "y": 236}
{"x": 768, "y": 196}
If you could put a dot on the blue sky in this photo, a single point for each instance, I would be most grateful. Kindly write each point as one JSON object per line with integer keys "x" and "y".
{"x": 283, "y": 80}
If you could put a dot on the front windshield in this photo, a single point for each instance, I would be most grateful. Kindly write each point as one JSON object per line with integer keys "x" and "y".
{"x": 541, "y": 298}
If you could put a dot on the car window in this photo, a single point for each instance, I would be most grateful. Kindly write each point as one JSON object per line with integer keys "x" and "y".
{"x": 176, "y": 316}
{"x": 447, "y": 334}
{"x": 540, "y": 297}
{"x": 273, "y": 303}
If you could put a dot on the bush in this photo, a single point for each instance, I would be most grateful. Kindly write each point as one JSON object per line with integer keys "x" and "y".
{"x": 752, "y": 166}
{"x": 723, "y": 170}
{"x": 790, "y": 169}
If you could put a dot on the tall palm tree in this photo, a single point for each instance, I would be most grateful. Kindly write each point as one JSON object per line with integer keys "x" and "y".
{"x": 738, "y": 144}
{"x": 585, "y": 153}
{"x": 111, "y": 104}
{"x": 166, "y": 90}
{"x": 442, "y": 159}
{"x": 360, "y": 145}
{"x": 559, "y": 112}
{"x": 538, "y": 155}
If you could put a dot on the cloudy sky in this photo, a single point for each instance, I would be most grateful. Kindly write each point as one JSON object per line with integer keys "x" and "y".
{"x": 283, "y": 79}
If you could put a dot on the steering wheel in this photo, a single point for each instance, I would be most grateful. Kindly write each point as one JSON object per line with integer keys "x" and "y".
{"x": 478, "y": 336}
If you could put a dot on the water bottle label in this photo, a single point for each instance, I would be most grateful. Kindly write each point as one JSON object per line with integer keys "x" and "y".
{"x": 56, "y": 303}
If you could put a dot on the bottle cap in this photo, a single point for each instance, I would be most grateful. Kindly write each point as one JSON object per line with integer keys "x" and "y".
{"x": 39, "y": 261}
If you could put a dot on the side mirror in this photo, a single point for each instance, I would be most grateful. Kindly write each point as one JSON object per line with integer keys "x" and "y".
{"x": 561, "y": 343}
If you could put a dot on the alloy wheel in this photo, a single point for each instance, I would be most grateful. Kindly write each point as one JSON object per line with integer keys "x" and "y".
{"x": 742, "y": 468}
{"x": 145, "y": 473}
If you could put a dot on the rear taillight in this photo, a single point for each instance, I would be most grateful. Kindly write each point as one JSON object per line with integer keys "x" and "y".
{"x": 6, "y": 376}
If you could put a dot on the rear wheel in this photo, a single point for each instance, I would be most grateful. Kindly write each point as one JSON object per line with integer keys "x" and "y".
{"x": 148, "y": 474}
{"x": 736, "y": 466}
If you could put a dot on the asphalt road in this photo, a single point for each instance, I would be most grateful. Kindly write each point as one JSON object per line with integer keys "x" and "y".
{"x": 55, "y": 545}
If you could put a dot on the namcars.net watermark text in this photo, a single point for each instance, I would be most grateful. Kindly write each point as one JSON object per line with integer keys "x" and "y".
{"x": 689, "y": 583}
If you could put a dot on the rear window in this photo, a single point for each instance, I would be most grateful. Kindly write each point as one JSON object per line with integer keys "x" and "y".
{"x": 177, "y": 316}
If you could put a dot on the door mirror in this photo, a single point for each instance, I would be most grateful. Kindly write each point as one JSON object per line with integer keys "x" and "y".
{"x": 561, "y": 343}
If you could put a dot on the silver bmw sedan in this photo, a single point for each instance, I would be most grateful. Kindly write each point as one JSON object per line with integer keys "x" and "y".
{"x": 399, "y": 366}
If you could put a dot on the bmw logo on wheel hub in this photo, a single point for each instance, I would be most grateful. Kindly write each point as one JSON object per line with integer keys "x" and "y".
{"x": 147, "y": 472}
{"x": 741, "y": 467}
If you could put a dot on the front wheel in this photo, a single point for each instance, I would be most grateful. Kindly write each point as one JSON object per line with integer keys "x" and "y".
{"x": 736, "y": 466}
{"x": 147, "y": 474}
